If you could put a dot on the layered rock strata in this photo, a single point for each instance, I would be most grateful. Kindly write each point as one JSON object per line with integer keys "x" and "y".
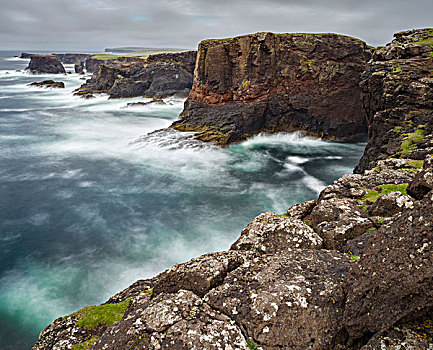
{"x": 350, "y": 270}
{"x": 277, "y": 82}
{"x": 157, "y": 76}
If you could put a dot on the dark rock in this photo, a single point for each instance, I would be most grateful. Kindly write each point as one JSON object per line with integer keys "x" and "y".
{"x": 338, "y": 220}
{"x": 158, "y": 101}
{"x": 291, "y": 300}
{"x": 71, "y": 58}
{"x": 398, "y": 98}
{"x": 393, "y": 279}
{"x": 45, "y": 64}
{"x": 49, "y": 83}
{"x": 79, "y": 67}
{"x": 26, "y": 55}
{"x": 275, "y": 82}
{"x": 92, "y": 64}
{"x": 390, "y": 204}
{"x": 423, "y": 181}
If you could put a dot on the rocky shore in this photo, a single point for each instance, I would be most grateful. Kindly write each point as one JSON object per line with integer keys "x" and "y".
{"x": 350, "y": 270}
{"x": 45, "y": 64}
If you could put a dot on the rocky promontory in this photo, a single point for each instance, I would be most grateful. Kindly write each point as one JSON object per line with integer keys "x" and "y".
{"x": 350, "y": 270}
{"x": 45, "y": 64}
{"x": 277, "y": 82}
{"x": 158, "y": 76}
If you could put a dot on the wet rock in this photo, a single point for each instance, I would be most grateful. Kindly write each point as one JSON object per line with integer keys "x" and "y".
{"x": 158, "y": 101}
{"x": 393, "y": 279}
{"x": 277, "y": 82}
{"x": 338, "y": 220}
{"x": 291, "y": 300}
{"x": 49, "y": 83}
{"x": 390, "y": 204}
{"x": 45, "y": 64}
{"x": 172, "y": 321}
{"x": 270, "y": 233}
{"x": 423, "y": 181}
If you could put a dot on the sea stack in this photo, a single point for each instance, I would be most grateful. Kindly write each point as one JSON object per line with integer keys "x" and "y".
{"x": 45, "y": 64}
{"x": 277, "y": 82}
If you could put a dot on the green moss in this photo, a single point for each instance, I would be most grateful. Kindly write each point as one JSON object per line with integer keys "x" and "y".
{"x": 86, "y": 345}
{"x": 308, "y": 222}
{"x": 95, "y": 316}
{"x": 396, "y": 69}
{"x": 380, "y": 221}
{"x": 417, "y": 164}
{"x": 370, "y": 230}
{"x": 410, "y": 141}
{"x": 373, "y": 195}
{"x": 398, "y": 129}
{"x": 354, "y": 258}
{"x": 428, "y": 42}
{"x": 251, "y": 345}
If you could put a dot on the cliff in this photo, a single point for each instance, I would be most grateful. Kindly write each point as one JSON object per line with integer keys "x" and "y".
{"x": 277, "y": 82}
{"x": 45, "y": 64}
{"x": 350, "y": 270}
{"x": 159, "y": 75}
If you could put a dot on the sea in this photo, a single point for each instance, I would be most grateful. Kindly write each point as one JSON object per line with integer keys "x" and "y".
{"x": 96, "y": 194}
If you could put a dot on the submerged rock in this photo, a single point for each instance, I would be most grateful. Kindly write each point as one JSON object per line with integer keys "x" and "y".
{"x": 49, "y": 83}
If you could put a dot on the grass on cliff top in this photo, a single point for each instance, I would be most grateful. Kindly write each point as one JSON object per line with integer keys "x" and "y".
{"x": 373, "y": 195}
{"x": 106, "y": 57}
{"x": 85, "y": 345}
{"x": 95, "y": 316}
{"x": 251, "y": 345}
{"x": 139, "y": 54}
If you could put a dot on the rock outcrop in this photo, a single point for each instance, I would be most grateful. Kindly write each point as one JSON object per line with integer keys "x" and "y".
{"x": 49, "y": 83}
{"x": 45, "y": 64}
{"x": 350, "y": 270}
{"x": 158, "y": 76}
{"x": 277, "y": 82}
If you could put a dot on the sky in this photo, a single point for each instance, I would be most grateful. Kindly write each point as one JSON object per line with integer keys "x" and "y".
{"x": 93, "y": 25}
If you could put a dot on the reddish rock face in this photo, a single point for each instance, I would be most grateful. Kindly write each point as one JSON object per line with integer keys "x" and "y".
{"x": 272, "y": 82}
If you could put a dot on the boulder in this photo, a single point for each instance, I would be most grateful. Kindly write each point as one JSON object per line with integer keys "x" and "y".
{"x": 79, "y": 67}
{"x": 390, "y": 204}
{"x": 45, "y": 64}
{"x": 423, "y": 181}
{"x": 270, "y": 233}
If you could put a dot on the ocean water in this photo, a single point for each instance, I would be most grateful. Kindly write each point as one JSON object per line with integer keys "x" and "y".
{"x": 93, "y": 197}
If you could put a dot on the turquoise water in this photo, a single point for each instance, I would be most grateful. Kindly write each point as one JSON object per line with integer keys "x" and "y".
{"x": 89, "y": 202}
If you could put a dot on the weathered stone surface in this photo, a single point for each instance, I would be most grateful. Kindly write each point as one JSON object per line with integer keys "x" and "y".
{"x": 274, "y": 82}
{"x": 172, "y": 321}
{"x": 45, "y": 64}
{"x": 338, "y": 220}
{"x": 300, "y": 211}
{"x": 199, "y": 275}
{"x": 49, "y": 83}
{"x": 393, "y": 279}
{"x": 270, "y": 233}
{"x": 291, "y": 300}
{"x": 398, "y": 98}
{"x": 409, "y": 336}
{"x": 390, "y": 204}
{"x": 423, "y": 181}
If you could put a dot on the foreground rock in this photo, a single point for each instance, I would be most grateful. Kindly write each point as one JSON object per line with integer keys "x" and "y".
{"x": 45, "y": 64}
{"x": 49, "y": 83}
{"x": 274, "y": 82}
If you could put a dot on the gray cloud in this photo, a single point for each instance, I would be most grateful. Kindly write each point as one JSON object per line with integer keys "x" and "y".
{"x": 96, "y": 24}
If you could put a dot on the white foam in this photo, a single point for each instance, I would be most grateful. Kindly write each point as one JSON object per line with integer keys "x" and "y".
{"x": 297, "y": 160}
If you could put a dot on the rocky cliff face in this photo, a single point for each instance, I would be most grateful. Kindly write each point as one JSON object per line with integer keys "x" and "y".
{"x": 45, "y": 64}
{"x": 273, "y": 82}
{"x": 397, "y": 95}
{"x": 157, "y": 76}
{"x": 350, "y": 270}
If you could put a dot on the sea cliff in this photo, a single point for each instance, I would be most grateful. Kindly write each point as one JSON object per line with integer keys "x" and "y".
{"x": 277, "y": 82}
{"x": 352, "y": 269}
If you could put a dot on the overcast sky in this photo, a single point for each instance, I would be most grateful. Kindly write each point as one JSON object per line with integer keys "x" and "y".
{"x": 97, "y": 24}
